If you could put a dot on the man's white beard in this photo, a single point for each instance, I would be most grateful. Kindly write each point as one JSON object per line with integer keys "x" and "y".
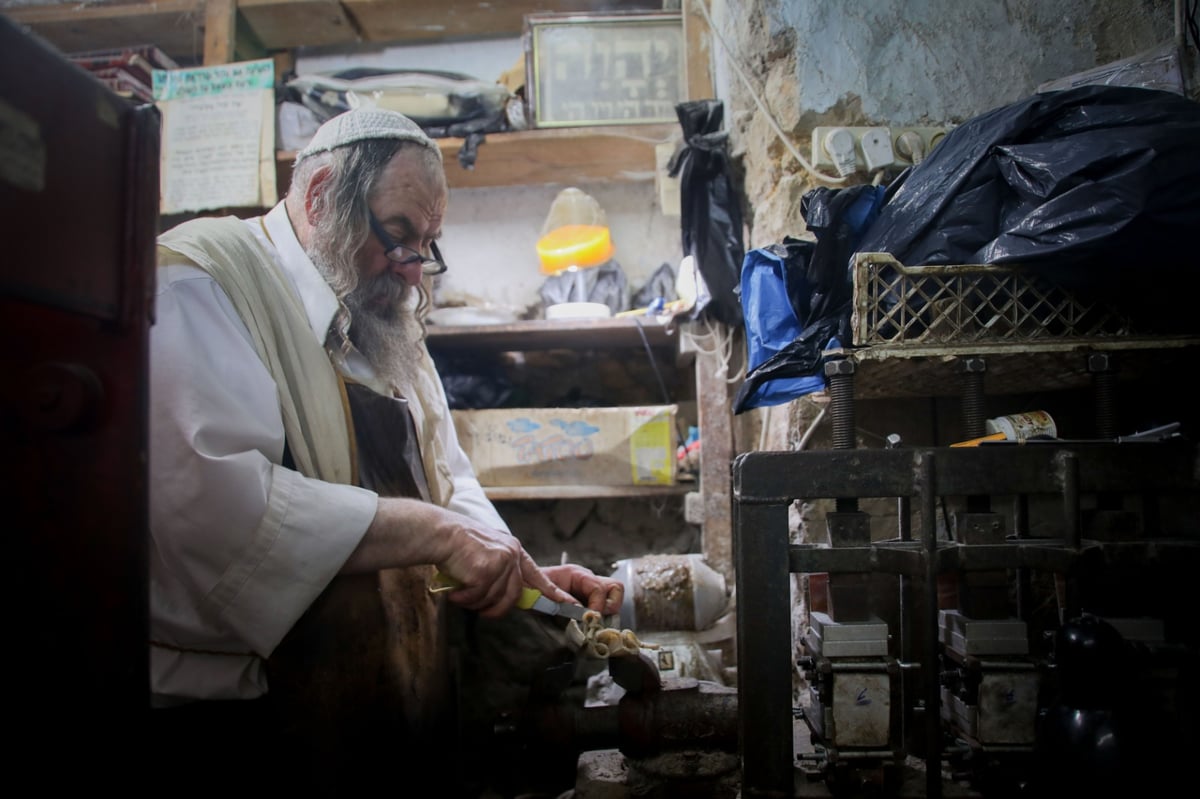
{"x": 387, "y": 332}
{"x": 386, "y": 335}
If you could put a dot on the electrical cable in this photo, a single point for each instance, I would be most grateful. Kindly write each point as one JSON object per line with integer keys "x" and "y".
{"x": 787, "y": 143}
{"x": 722, "y": 350}
{"x": 812, "y": 428}
{"x": 662, "y": 386}
{"x": 762, "y": 431}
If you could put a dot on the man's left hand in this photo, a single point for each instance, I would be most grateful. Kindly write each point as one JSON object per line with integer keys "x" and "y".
{"x": 601, "y": 594}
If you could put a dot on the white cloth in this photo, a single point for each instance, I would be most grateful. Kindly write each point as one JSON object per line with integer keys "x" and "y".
{"x": 240, "y": 546}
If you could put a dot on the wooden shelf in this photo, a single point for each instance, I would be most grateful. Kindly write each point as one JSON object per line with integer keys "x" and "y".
{"x": 610, "y": 153}
{"x": 178, "y": 27}
{"x": 174, "y": 26}
{"x": 549, "y": 334}
{"x": 575, "y": 334}
{"x": 519, "y": 493}
{"x": 898, "y": 371}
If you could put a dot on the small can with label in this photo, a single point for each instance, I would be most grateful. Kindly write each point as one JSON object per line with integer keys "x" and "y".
{"x": 1022, "y": 426}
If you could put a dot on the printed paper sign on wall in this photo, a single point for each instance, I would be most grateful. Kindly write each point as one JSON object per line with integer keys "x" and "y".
{"x": 218, "y": 147}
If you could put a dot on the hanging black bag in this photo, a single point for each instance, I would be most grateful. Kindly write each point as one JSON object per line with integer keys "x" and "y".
{"x": 711, "y": 213}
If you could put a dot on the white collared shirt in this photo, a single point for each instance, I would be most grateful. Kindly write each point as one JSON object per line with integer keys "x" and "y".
{"x": 241, "y": 546}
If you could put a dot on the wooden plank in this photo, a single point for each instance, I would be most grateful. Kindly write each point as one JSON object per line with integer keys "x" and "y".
{"x": 715, "y": 411}
{"x": 247, "y": 46}
{"x": 417, "y": 20}
{"x": 220, "y": 32}
{"x": 563, "y": 155}
{"x": 623, "y": 153}
{"x": 174, "y": 26}
{"x": 583, "y": 491}
{"x": 546, "y": 334}
{"x": 284, "y": 24}
{"x": 177, "y": 27}
{"x": 698, "y": 37}
{"x": 1016, "y": 367}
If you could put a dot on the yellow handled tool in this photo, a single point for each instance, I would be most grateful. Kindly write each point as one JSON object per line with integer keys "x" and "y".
{"x": 530, "y": 599}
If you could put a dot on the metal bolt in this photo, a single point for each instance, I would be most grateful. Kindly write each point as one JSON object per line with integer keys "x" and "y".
{"x": 841, "y": 366}
{"x": 971, "y": 365}
{"x": 1099, "y": 362}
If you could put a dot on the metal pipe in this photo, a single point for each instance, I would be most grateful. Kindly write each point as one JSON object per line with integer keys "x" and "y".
{"x": 861, "y": 667}
{"x": 840, "y": 376}
{"x": 926, "y": 475}
{"x": 1022, "y": 575}
{"x": 860, "y": 754}
{"x": 971, "y": 372}
{"x": 1068, "y": 463}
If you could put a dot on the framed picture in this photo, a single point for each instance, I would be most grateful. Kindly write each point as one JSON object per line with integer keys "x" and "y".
{"x": 604, "y": 69}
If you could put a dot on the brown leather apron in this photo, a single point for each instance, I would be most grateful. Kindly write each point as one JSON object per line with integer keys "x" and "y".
{"x": 361, "y": 681}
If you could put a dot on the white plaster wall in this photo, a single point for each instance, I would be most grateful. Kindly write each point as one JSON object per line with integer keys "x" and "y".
{"x": 489, "y": 238}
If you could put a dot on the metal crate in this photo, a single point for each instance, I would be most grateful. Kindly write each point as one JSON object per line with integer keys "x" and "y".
{"x": 963, "y": 304}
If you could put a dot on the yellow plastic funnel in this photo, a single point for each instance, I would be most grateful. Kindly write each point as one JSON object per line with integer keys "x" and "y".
{"x": 579, "y": 246}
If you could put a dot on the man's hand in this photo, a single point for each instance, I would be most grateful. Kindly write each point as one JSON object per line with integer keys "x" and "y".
{"x": 494, "y": 585}
{"x": 601, "y": 594}
{"x": 490, "y": 565}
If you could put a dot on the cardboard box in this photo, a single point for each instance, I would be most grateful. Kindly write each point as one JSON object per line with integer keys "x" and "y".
{"x": 615, "y": 446}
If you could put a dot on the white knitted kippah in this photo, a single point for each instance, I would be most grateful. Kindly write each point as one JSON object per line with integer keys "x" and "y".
{"x": 360, "y": 124}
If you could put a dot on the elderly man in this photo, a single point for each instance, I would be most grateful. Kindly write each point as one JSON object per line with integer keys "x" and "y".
{"x": 306, "y": 477}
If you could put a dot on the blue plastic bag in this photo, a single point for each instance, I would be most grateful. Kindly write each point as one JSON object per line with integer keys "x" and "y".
{"x": 770, "y": 295}
{"x": 796, "y": 297}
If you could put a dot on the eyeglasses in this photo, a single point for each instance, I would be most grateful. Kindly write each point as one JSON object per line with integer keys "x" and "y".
{"x": 400, "y": 254}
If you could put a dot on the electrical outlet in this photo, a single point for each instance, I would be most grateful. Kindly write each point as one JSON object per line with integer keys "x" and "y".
{"x": 909, "y": 144}
{"x": 903, "y": 143}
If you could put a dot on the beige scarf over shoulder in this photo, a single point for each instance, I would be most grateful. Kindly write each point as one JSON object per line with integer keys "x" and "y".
{"x": 314, "y": 417}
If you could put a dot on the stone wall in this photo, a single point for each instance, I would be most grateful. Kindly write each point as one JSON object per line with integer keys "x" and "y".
{"x": 806, "y": 63}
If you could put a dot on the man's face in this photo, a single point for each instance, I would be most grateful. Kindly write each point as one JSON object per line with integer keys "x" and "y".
{"x": 409, "y": 202}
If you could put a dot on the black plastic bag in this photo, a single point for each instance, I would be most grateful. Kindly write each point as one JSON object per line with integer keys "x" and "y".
{"x": 782, "y": 362}
{"x": 711, "y": 215}
{"x": 605, "y": 284}
{"x": 471, "y": 385}
{"x": 660, "y": 287}
{"x": 1097, "y": 187}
